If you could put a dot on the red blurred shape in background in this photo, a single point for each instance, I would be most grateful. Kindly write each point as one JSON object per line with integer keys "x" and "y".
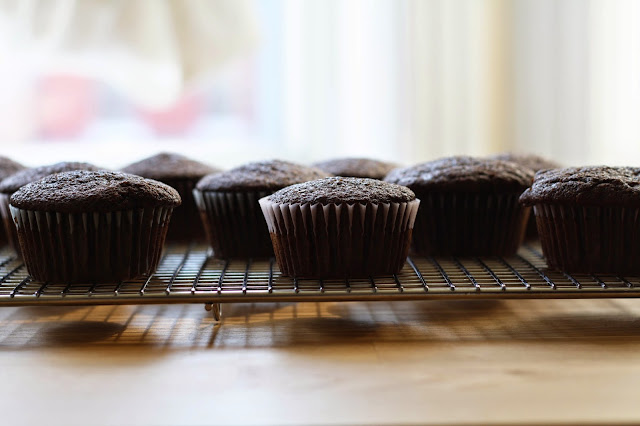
{"x": 64, "y": 106}
{"x": 176, "y": 119}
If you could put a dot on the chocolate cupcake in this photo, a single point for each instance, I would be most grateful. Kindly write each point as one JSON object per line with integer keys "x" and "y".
{"x": 341, "y": 227}
{"x": 356, "y": 167}
{"x": 469, "y": 205}
{"x": 228, "y": 203}
{"x": 530, "y": 161}
{"x": 92, "y": 227}
{"x": 182, "y": 174}
{"x": 7, "y": 168}
{"x": 17, "y": 180}
{"x": 588, "y": 218}
{"x": 535, "y": 163}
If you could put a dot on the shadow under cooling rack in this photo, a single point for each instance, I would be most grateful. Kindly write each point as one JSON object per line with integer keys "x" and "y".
{"x": 187, "y": 274}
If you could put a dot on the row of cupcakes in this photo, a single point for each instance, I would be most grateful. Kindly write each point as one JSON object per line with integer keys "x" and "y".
{"x": 73, "y": 222}
{"x": 72, "y": 226}
{"x": 233, "y": 206}
{"x": 470, "y": 207}
{"x": 234, "y": 224}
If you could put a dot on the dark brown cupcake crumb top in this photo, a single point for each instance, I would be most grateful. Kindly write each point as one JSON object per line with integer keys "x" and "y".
{"x": 169, "y": 166}
{"x": 591, "y": 185}
{"x": 260, "y": 176}
{"x": 337, "y": 190}
{"x": 356, "y": 167}
{"x": 464, "y": 174}
{"x": 84, "y": 191}
{"x": 531, "y": 161}
{"x": 12, "y": 183}
{"x": 9, "y": 167}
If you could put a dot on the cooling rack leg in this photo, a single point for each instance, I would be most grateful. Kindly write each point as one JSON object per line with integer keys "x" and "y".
{"x": 215, "y": 308}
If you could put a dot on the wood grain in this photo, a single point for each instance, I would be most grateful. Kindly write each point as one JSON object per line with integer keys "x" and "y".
{"x": 528, "y": 361}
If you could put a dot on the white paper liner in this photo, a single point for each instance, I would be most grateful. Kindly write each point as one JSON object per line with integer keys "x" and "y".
{"x": 91, "y": 247}
{"x": 589, "y": 238}
{"x": 234, "y": 223}
{"x": 469, "y": 224}
{"x": 340, "y": 240}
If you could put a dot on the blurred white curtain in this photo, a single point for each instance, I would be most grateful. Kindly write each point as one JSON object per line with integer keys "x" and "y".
{"x": 411, "y": 80}
{"x": 577, "y": 79}
{"x": 455, "y": 77}
{"x": 401, "y": 79}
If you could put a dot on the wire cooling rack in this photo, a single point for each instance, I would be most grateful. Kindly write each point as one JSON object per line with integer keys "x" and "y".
{"x": 188, "y": 274}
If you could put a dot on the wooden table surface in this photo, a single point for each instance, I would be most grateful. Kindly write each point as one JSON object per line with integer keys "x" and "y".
{"x": 529, "y": 361}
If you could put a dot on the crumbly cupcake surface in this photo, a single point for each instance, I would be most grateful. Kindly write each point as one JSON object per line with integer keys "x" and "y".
{"x": 260, "y": 176}
{"x": 16, "y": 181}
{"x": 93, "y": 191}
{"x": 9, "y": 167}
{"x": 592, "y": 185}
{"x": 464, "y": 174}
{"x": 335, "y": 190}
{"x": 356, "y": 167}
{"x": 531, "y": 161}
{"x": 169, "y": 166}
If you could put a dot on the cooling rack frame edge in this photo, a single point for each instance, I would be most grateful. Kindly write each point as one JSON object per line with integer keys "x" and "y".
{"x": 216, "y": 296}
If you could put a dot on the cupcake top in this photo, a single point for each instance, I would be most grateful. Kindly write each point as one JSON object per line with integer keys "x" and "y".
{"x": 356, "y": 167}
{"x": 169, "y": 166}
{"x": 338, "y": 190}
{"x": 260, "y": 176}
{"x": 9, "y": 167}
{"x": 592, "y": 185}
{"x": 14, "y": 182}
{"x": 531, "y": 161}
{"x": 464, "y": 174}
{"x": 83, "y": 191}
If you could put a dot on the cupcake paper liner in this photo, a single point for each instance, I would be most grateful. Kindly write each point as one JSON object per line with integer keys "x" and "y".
{"x": 590, "y": 239}
{"x": 340, "y": 240}
{"x": 469, "y": 224}
{"x": 9, "y": 225}
{"x": 532, "y": 228}
{"x": 234, "y": 223}
{"x": 186, "y": 225}
{"x": 4, "y": 239}
{"x": 91, "y": 247}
